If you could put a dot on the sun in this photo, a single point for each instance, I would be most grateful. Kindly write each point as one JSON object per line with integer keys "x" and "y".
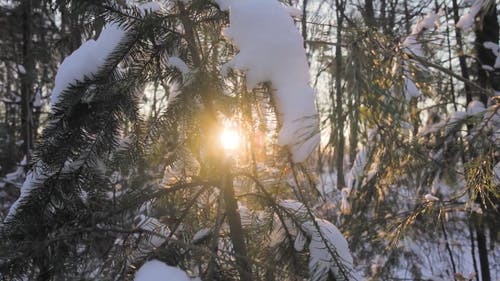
{"x": 230, "y": 139}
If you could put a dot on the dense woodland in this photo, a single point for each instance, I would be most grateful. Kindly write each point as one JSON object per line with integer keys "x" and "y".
{"x": 140, "y": 140}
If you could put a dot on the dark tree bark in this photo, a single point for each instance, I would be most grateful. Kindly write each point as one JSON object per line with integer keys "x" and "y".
{"x": 461, "y": 57}
{"x": 369, "y": 14}
{"x": 304, "y": 22}
{"x": 235, "y": 227}
{"x": 355, "y": 104}
{"x": 27, "y": 78}
{"x": 487, "y": 31}
{"x": 339, "y": 151}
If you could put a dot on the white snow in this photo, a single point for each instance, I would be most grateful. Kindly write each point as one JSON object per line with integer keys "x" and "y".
{"x": 453, "y": 120}
{"x": 467, "y": 20}
{"x": 174, "y": 90}
{"x": 377, "y": 263}
{"x": 296, "y": 207}
{"x": 245, "y": 214}
{"x": 430, "y": 197}
{"x": 150, "y": 7}
{"x": 427, "y": 22}
{"x": 87, "y": 59}
{"x": 345, "y": 207}
{"x": 327, "y": 248}
{"x": 18, "y": 173}
{"x": 201, "y": 234}
{"x": 178, "y": 63}
{"x": 487, "y": 67}
{"x": 476, "y": 208}
{"x": 224, "y": 4}
{"x": 495, "y": 49}
{"x": 35, "y": 176}
{"x": 411, "y": 89}
{"x": 92, "y": 54}
{"x": 293, "y": 12}
{"x": 412, "y": 46}
{"x": 21, "y": 69}
{"x": 38, "y": 99}
{"x": 448, "y": 124}
{"x": 271, "y": 49}
{"x": 153, "y": 225}
{"x": 327, "y": 182}
{"x": 475, "y": 107}
{"x": 357, "y": 171}
{"x": 300, "y": 242}
{"x": 155, "y": 270}
{"x": 496, "y": 171}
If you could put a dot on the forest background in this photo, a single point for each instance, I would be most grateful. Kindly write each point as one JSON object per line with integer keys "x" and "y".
{"x": 123, "y": 165}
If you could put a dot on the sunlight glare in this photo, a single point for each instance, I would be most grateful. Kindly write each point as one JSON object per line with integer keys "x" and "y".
{"x": 230, "y": 139}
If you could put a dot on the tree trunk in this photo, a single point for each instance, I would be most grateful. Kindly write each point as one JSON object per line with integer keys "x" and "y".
{"x": 304, "y": 22}
{"x": 461, "y": 55}
{"x": 27, "y": 79}
{"x": 488, "y": 31}
{"x": 407, "y": 17}
{"x": 235, "y": 229}
{"x": 369, "y": 14}
{"x": 483, "y": 252}
{"x": 339, "y": 151}
{"x": 354, "y": 110}
{"x": 383, "y": 19}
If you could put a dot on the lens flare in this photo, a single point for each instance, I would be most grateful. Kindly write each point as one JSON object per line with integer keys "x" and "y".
{"x": 230, "y": 139}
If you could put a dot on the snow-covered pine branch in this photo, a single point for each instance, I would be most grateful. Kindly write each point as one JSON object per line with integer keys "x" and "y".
{"x": 412, "y": 46}
{"x": 271, "y": 49}
{"x": 328, "y": 249}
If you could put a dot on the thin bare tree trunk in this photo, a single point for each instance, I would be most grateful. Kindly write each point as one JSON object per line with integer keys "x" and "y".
{"x": 483, "y": 252}
{"x": 235, "y": 228}
{"x": 339, "y": 163}
{"x": 369, "y": 14}
{"x": 304, "y": 21}
{"x": 461, "y": 55}
{"x": 27, "y": 76}
{"x": 354, "y": 110}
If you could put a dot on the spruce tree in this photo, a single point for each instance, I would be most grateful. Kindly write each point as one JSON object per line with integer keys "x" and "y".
{"x": 111, "y": 187}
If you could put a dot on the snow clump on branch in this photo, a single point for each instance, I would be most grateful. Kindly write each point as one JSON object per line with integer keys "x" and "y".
{"x": 271, "y": 50}
{"x": 155, "y": 270}
{"x": 91, "y": 56}
{"x": 413, "y": 47}
{"x": 328, "y": 248}
{"x": 467, "y": 20}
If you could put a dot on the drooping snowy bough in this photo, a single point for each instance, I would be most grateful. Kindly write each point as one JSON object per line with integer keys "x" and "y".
{"x": 271, "y": 50}
{"x": 87, "y": 59}
{"x": 84, "y": 63}
{"x": 329, "y": 252}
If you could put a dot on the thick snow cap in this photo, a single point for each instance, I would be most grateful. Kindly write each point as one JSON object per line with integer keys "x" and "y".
{"x": 271, "y": 49}
{"x": 155, "y": 270}
{"x": 89, "y": 58}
